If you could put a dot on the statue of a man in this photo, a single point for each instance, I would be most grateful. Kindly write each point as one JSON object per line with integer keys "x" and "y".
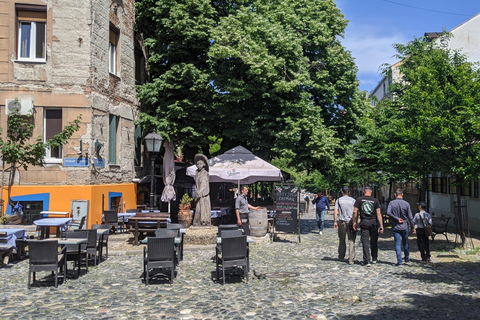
{"x": 202, "y": 192}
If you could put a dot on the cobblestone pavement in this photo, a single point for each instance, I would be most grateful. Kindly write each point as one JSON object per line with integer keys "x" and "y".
{"x": 326, "y": 288}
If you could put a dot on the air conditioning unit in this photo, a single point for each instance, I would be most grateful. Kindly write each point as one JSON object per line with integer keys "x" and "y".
{"x": 23, "y": 107}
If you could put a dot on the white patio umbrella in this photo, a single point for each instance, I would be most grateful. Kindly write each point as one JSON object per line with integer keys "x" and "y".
{"x": 241, "y": 166}
{"x": 168, "y": 193}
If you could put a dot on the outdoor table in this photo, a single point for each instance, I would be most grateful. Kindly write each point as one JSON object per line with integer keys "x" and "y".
{"x": 78, "y": 242}
{"x": 178, "y": 240}
{"x": 61, "y": 224}
{"x": 13, "y": 235}
{"x": 54, "y": 214}
{"x": 145, "y": 220}
{"x": 249, "y": 240}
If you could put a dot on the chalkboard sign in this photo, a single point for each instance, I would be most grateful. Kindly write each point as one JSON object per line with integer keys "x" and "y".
{"x": 286, "y": 209}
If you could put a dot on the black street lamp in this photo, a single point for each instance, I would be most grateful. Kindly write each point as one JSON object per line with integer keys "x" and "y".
{"x": 153, "y": 141}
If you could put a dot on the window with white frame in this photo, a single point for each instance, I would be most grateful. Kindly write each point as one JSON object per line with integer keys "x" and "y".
{"x": 32, "y": 34}
{"x": 112, "y": 51}
{"x": 52, "y": 125}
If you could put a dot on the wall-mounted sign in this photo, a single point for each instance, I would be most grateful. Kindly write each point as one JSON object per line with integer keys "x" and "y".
{"x": 99, "y": 163}
{"x": 75, "y": 162}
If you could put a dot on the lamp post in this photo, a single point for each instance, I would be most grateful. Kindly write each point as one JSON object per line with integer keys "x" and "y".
{"x": 153, "y": 142}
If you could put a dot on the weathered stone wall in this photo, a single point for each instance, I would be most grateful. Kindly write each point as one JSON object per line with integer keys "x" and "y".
{"x": 75, "y": 78}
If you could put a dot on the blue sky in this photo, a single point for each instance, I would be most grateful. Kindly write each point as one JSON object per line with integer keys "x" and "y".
{"x": 375, "y": 25}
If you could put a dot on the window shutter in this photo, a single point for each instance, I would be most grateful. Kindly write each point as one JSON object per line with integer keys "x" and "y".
{"x": 113, "y": 37}
{"x": 138, "y": 146}
{"x": 40, "y": 16}
{"x": 53, "y": 123}
{"x": 112, "y": 140}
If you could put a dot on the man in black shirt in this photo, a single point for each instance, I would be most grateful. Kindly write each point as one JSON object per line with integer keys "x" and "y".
{"x": 371, "y": 224}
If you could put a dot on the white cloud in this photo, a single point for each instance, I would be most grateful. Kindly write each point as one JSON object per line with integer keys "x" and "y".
{"x": 371, "y": 47}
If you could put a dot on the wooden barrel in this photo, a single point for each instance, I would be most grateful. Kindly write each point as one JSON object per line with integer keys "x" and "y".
{"x": 185, "y": 217}
{"x": 258, "y": 222}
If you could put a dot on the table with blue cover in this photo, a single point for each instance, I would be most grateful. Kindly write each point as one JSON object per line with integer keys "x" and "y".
{"x": 61, "y": 224}
{"x": 13, "y": 235}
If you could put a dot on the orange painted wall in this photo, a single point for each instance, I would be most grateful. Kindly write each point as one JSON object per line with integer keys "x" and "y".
{"x": 61, "y": 197}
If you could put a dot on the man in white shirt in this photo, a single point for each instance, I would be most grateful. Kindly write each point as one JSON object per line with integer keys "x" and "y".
{"x": 344, "y": 211}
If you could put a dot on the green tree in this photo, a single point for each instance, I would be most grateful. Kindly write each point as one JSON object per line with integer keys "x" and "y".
{"x": 18, "y": 151}
{"x": 272, "y": 76}
{"x": 433, "y": 122}
{"x": 284, "y": 82}
{"x": 178, "y": 100}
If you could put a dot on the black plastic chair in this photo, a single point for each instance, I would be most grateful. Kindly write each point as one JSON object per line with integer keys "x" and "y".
{"x": 44, "y": 256}
{"x": 111, "y": 219}
{"x": 234, "y": 253}
{"x": 159, "y": 253}
{"x": 92, "y": 246}
{"x": 73, "y": 252}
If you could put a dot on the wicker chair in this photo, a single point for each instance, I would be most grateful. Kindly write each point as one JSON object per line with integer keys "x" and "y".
{"x": 102, "y": 240}
{"x": 44, "y": 256}
{"x": 233, "y": 253}
{"x": 73, "y": 253}
{"x": 111, "y": 219}
{"x": 159, "y": 253}
{"x": 92, "y": 246}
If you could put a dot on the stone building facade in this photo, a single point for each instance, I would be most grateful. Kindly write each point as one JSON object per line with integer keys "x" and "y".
{"x": 66, "y": 58}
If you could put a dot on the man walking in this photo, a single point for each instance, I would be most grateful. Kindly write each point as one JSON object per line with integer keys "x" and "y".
{"x": 307, "y": 203}
{"x": 344, "y": 211}
{"x": 241, "y": 210}
{"x": 368, "y": 208}
{"x": 401, "y": 217}
{"x": 322, "y": 205}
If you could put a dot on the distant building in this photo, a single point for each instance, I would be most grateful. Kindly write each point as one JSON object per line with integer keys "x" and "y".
{"x": 65, "y": 58}
{"x": 442, "y": 190}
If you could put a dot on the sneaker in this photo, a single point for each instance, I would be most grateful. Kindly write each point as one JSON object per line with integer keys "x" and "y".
{"x": 398, "y": 264}
{"x": 368, "y": 264}
{"x": 428, "y": 260}
{"x": 351, "y": 262}
{"x": 321, "y": 232}
{"x": 374, "y": 261}
{"x": 406, "y": 262}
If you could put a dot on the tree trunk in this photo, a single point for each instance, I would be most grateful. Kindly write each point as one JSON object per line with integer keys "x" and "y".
{"x": 390, "y": 191}
{"x": 458, "y": 211}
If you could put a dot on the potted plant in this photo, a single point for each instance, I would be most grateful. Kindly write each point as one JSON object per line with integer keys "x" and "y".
{"x": 185, "y": 202}
{"x": 184, "y": 213}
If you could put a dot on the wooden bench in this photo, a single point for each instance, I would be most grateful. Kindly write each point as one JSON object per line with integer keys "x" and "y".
{"x": 150, "y": 222}
{"x": 439, "y": 226}
{"x": 21, "y": 248}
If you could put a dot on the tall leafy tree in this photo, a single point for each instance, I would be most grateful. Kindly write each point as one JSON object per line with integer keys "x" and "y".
{"x": 433, "y": 121}
{"x": 285, "y": 83}
{"x": 177, "y": 101}
{"x": 272, "y": 76}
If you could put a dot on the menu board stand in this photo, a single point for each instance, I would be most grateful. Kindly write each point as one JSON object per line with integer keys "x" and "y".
{"x": 286, "y": 216}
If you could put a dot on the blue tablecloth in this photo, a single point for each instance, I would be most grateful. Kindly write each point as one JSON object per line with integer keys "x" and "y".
{"x": 62, "y": 223}
{"x": 13, "y": 235}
